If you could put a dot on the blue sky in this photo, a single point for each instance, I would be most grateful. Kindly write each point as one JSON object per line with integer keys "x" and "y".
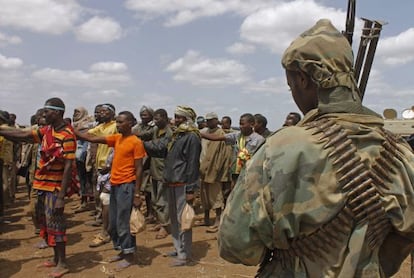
{"x": 221, "y": 56}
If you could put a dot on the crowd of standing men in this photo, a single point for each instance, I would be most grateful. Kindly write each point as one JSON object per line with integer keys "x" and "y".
{"x": 116, "y": 163}
{"x": 331, "y": 196}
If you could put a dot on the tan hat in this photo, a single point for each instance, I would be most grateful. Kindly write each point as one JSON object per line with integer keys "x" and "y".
{"x": 211, "y": 115}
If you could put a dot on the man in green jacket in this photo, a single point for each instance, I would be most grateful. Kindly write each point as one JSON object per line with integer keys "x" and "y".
{"x": 332, "y": 196}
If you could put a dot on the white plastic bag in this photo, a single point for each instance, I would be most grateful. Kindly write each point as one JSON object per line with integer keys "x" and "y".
{"x": 187, "y": 218}
{"x": 136, "y": 222}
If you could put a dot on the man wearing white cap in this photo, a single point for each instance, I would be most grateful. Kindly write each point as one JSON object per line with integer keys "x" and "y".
{"x": 213, "y": 172}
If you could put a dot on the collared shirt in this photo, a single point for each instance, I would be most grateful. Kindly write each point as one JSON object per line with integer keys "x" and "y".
{"x": 253, "y": 141}
{"x": 103, "y": 150}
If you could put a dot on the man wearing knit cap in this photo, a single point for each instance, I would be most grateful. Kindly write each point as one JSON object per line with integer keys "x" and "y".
{"x": 331, "y": 196}
{"x": 181, "y": 174}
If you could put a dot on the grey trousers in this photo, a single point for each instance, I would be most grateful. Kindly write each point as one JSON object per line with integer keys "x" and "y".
{"x": 182, "y": 240}
{"x": 160, "y": 202}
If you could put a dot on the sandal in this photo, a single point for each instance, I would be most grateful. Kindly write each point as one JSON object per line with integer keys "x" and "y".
{"x": 162, "y": 233}
{"x": 170, "y": 254}
{"x": 178, "y": 262}
{"x": 41, "y": 245}
{"x": 200, "y": 223}
{"x": 58, "y": 272}
{"x": 99, "y": 240}
{"x": 122, "y": 265}
{"x": 212, "y": 229}
{"x": 116, "y": 258}
{"x": 46, "y": 264}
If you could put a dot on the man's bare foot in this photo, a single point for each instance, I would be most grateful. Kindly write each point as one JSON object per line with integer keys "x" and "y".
{"x": 58, "y": 271}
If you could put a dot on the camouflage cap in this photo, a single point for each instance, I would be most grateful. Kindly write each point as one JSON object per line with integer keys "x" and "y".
{"x": 324, "y": 54}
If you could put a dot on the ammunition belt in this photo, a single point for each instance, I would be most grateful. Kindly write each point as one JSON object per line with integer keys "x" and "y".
{"x": 362, "y": 185}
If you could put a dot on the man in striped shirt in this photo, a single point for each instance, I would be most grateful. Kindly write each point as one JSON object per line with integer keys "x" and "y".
{"x": 53, "y": 177}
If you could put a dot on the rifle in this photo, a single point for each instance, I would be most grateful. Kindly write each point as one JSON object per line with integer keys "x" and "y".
{"x": 350, "y": 21}
{"x": 369, "y": 40}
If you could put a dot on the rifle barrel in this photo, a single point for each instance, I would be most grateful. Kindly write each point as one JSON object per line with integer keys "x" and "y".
{"x": 350, "y": 21}
{"x": 374, "y": 37}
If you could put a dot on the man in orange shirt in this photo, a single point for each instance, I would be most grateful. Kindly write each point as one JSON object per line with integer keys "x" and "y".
{"x": 126, "y": 178}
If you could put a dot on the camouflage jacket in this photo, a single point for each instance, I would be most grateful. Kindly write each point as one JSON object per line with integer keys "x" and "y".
{"x": 332, "y": 197}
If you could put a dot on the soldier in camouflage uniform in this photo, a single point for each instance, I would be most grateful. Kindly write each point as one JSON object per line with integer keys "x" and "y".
{"x": 332, "y": 196}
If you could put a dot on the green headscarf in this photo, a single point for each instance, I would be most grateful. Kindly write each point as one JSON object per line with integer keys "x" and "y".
{"x": 325, "y": 55}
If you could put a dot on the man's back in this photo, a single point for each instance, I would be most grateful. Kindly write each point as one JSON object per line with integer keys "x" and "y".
{"x": 323, "y": 198}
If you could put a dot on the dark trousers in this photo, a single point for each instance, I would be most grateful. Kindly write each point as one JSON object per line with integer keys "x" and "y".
{"x": 120, "y": 206}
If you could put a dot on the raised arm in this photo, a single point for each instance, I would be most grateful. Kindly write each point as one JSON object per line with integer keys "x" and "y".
{"x": 213, "y": 137}
{"x": 157, "y": 147}
{"x": 90, "y": 137}
{"x": 16, "y": 134}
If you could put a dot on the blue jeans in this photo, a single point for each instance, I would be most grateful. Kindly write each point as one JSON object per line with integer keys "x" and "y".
{"x": 120, "y": 206}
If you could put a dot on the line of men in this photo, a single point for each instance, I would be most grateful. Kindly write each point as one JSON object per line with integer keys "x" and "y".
{"x": 329, "y": 197}
{"x": 118, "y": 162}
{"x": 9, "y": 161}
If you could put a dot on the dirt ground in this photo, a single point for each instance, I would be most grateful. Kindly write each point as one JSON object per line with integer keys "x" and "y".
{"x": 19, "y": 258}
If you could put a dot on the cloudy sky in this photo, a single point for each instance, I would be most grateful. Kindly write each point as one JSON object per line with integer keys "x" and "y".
{"x": 214, "y": 55}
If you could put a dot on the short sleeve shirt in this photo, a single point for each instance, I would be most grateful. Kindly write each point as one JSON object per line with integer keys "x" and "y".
{"x": 49, "y": 178}
{"x": 126, "y": 151}
{"x": 103, "y": 150}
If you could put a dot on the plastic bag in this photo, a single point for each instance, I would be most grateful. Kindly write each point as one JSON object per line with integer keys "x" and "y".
{"x": 187, "y": 218}
{"x": 136, "y": 222}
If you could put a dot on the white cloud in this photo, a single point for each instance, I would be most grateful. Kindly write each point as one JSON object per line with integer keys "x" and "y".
{"x": 12, "y": 82}
{"x": 275, "y": 85}
{"x": 6, "y": 39}
{"x": 10, "y": 63}
{"x": 179, "y": 12}
{"x": 108, "y": 67}
{"x": 241, "y": 48}
{"x": 112, "y": 93}
{"x": 43, "y": 16}
{"x": 202, "y": 71}
{"x": 79, "y": 78}
{"x": 275, "y": 27}
{"x": 99, "y": 30}
{"x": 397, "y": 50}
{"x": 376, "y": 84}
